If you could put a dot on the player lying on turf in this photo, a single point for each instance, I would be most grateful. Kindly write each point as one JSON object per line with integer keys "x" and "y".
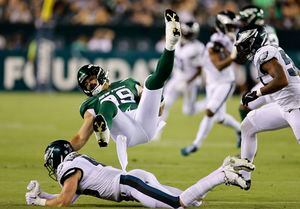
{"x": 124, "y": 107}
{"x": 281, "y": 81}
{"x": 81, "y": 175}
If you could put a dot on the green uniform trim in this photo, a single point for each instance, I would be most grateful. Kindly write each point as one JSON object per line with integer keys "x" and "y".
{"x": 108, "y": 110}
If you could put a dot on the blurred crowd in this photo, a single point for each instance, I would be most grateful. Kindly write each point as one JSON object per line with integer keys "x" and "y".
{"x": 282, "y": 14}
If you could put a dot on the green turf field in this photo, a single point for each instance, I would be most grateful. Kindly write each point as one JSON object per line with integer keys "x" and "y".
{"x": 29, "y": 121}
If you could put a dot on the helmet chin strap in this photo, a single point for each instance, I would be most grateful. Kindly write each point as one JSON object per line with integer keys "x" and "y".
{"x": 97, "y": 90}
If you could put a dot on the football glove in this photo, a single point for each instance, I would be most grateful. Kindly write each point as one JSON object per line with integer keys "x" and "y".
{"x": 34, "y": 187}
{"x": 101, "y": 131}
{"x": 34, "y": 199}
{"x": 249, "y": 97}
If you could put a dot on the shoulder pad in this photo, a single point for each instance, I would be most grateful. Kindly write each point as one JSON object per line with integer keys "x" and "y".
{"x": 264, "y": 54}
{"x": 133, "y": 81}
{"x": 65, "y": 170}
{"x": 84, "y": 107}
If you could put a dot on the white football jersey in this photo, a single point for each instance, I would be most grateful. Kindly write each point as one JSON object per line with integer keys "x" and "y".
{"x": 213, "y": 75}
{"x": 188, "y": 57}
{"x": 97, "y": 180}
{"x": 288, "y": 97}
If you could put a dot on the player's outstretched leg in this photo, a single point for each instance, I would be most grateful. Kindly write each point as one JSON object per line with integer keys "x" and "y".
{"x": 227, "y": 174}
{"x": 166, "y": 61}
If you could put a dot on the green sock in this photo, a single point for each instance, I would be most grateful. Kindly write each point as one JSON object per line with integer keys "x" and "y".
{"x": 163, "y": 71}
{"x": 243, "y": 113}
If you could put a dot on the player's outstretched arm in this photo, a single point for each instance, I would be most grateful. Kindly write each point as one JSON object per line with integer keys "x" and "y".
{"x": 274, "y": 69}
{"x": 67, "y": 193}
{"x": 84, "y": 133}
{"x": 65, "y": 198}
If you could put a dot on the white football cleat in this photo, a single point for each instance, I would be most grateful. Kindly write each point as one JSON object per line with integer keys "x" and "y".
{"x": 101, "y": 131}
{"x": 232, "y": 177}
{"x": 238, "y": 163}
{"x": 173, "y": 31}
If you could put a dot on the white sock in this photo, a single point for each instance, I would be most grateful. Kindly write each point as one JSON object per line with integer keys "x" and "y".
{"x": 231, "y": 122}
{"x": 249, "y": 144}
{"x": 204, "y": 185}
{"x": 204, "y": 128}
{"x": 171, "y": 40}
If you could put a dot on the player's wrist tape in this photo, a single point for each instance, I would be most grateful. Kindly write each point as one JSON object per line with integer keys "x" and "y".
{"x": 41, "y": 201}
{"x": 258, "y": 92}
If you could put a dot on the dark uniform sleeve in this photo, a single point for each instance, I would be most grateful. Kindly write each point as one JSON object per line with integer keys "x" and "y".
{"x": 108, "y": 110}
{"x": 84, "y": 107}
{"x": 70, "y": 172}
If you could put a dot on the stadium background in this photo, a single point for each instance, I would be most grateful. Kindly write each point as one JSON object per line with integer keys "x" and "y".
{"x": 42, "y": 43}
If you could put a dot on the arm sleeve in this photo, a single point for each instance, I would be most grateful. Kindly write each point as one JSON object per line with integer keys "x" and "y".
{"x": 108, "y": 110}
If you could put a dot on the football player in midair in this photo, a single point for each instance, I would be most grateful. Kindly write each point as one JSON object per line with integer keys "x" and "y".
{"x": 280, "y": 80}
{"x": 185, "y": 78}
{"x": 124, "y": 108}
{"x": 80, "y": 174}
{"x": 220, "y": 80}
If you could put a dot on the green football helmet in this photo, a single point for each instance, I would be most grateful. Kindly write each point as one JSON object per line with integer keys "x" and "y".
{"x": 91, "y": 70}
{"x": 252, "y": 15}
{"x": 55, "y": 153}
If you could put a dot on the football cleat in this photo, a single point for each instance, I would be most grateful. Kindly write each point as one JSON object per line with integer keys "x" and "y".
{"x": 188, "y": 150}
{"x": 248, "y": 184}
{"x": 101, "y": 131}
{"x": 173, "y": 31}
{"x": 238, "y": 164}
{"x": 232, "y": 177}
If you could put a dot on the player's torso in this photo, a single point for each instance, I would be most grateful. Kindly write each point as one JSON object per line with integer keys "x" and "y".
{"x": 289, "y": 96}
{"x": 122, "y": 93}
{"x": 97, "y": 180}
{"x": 213, "y": 75}
{"x": 188, "y": 56}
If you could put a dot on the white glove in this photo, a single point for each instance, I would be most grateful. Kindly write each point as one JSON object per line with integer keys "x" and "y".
{"x": 233, "y": 53}
{"x": 34, "y": 187}
{"x": 34, "y": 199}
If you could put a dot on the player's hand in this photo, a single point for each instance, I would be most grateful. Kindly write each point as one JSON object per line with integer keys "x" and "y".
{"x": 34, "y": 187}
{"x": 249, "y": 97}
{"x": 34, "y": 199}
{"x": 233, "y": 53}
